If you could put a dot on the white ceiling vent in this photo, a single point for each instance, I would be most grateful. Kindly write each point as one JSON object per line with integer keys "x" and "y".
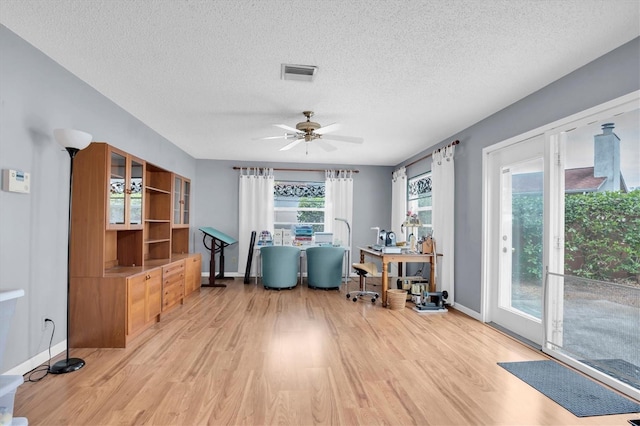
{"x": 298, "y": 72}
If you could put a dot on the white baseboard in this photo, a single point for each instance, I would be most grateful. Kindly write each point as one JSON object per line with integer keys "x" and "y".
{"x": 37, "y": 360}
{"x": 473, "y": 314}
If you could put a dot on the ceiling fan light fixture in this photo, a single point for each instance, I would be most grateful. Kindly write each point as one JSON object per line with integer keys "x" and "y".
{"x": 298, "y": 72}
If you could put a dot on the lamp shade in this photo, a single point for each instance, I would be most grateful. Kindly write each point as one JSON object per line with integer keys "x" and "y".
{"x": 70, "y": 138}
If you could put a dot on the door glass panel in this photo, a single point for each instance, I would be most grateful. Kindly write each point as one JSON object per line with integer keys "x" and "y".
{"x": 599, "y": 290}
{"x": 177, "y": 198}
{"x": 135, "y": 197}
{"x": 117, "y": 188}
{"x": 521, "y": 270}
{"x": 185, "y": 205}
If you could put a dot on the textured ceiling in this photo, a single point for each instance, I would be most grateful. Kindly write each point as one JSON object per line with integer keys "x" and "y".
{"x": 401, "y": 74}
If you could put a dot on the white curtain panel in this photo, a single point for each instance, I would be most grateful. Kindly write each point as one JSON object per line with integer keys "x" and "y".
{"x": 443, "y": 184}
{"x": 398, "y": 202}
{"x": 255, "y": 209}
{"x": 338, "y": 199}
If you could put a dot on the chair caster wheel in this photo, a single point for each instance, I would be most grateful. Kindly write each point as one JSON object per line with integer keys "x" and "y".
{"x": 348, "y": 296}
{"x": 373, "y": 299}
{"x": 355, "y": 299}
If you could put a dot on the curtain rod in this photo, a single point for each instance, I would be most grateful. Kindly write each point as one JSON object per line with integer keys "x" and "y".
{"x": 456, "y": 142}
{"x": 292, "y": 170}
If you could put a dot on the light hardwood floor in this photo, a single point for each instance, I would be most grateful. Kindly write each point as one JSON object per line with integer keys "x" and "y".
{"x": 249, "y": 356}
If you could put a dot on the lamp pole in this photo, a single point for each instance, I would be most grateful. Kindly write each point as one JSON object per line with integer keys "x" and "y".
{"x": 346, "y": 277}
{"x": 73, "y": 141}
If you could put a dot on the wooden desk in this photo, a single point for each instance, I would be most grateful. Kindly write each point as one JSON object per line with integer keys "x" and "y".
{"x": 400, "y": 258}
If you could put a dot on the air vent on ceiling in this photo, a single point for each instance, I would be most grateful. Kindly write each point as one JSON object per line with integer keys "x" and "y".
{"x": 298, "y": 72}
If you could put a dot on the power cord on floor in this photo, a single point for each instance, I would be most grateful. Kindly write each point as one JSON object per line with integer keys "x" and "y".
{"x": 44, "y": 368}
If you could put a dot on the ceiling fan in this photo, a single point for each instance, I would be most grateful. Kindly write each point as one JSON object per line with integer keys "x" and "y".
{"x": 309, "y": 131}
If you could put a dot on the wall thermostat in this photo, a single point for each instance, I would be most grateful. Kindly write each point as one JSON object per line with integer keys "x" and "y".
{"x": 16, "y": 181}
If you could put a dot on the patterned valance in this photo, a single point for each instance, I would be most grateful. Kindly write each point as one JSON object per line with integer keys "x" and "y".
{"x": 299, "y": 189}
{"x": 419, "y": 187}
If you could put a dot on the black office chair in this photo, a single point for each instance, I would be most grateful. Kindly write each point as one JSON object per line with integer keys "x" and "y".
{"x": 362, "y": 269}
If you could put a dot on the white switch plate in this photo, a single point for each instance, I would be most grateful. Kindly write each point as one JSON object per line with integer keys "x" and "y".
{"x": 16, "y": 181}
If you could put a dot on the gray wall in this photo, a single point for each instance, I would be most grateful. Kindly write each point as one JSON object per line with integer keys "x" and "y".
{"x": 608, "y": 77}
{"x": 36, "y": 96}
{"x": 217, "y": 202}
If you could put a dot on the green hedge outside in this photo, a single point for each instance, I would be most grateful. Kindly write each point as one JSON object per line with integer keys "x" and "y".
{"x": 602, "y": 235}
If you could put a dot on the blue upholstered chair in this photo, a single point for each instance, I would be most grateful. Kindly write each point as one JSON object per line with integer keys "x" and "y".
{"x": 280, "y": 266}
{"x": 325, "y": 267}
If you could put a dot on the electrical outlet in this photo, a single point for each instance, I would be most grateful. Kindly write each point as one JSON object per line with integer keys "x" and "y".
{"x": 43, "y": 323}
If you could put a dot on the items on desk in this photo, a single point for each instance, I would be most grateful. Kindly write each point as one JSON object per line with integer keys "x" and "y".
{"x": 303, "y": 235}
{"x": 277, "y": 237}
{"x": 412, "y": 242}
{"x": 387, "y": 242}
{"x": 287, "y": 238}
{"x": 324, "y": 238}
{"x": 427, "y": 245}
{"x": 265, "y": 238}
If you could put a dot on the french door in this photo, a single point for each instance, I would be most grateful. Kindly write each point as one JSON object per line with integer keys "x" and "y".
{"x": 514, "y": 237}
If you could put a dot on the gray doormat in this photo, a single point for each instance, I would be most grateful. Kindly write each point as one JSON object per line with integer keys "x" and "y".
{"x": 578, "y": 394}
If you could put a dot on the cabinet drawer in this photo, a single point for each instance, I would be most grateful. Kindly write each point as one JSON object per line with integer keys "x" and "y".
{"x": 172, "y": 284}
{"x": 172, "y": 295}
{"x": 174, "y": 268}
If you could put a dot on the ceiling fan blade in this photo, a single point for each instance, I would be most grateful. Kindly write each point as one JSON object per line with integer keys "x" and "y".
{"x": 287, "y": 128}
{"x": 327, "y": 147}
{"x": 291, "y": 145}
{"x": 285, "y": 136}
{"x": 326, "y": 129}
{"x": 350, "y": 139}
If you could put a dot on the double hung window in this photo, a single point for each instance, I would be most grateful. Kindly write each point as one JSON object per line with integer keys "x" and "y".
{"x": 419, "y": 203}
{"x": 299, "y": 203}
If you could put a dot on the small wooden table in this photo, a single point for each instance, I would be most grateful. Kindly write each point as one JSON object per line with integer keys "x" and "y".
{"x": 400, "y": 258}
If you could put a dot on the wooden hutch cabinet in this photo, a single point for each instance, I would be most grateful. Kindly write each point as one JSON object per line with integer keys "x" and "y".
{"x": 130, "y": 262}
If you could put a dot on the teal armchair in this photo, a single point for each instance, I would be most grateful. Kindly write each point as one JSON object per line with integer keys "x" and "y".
{"x": 280, "y": 266}
{"x": 325, "y": 267}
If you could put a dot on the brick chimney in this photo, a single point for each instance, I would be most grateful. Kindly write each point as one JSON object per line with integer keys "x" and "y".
{"x": 607, "y": 157}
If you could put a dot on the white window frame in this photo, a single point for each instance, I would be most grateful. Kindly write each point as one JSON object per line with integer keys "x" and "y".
{"x": 426, "y": 228}
{"x": 289, "y": 225}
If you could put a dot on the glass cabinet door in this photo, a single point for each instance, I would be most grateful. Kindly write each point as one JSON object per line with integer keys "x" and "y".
{"x": 126, "y": 188}
{"x": 117, "y": 189}
{"x": 185, "y": 203}
{"x": 135, "y": 193}
{"x": 177, "y": 200}
{"x": 181, "y": 194}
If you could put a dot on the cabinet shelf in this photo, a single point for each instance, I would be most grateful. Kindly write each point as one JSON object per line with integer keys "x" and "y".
{"x": 157, "y": 220}
{"x": 158, "y": 190}
{"x": 164, "y": 240}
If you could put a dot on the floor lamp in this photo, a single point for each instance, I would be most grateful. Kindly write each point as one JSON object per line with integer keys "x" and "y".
{"x": 339, "y": 219}
{"x": 73, "y": 141}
